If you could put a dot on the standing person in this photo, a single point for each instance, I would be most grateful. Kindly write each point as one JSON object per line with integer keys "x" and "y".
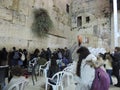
{"x": 15, "y": 58}
{"x": 25, "y": 52}
{"x": 68, "y": 54}
{"x": 59, "y": 52}
{"x": 4, "y": 55}
{"x": 108, "y": 66}
{"x": 10, "y": 58}
{"x": 55, "y": 53}
{"x": 48, "y": 54}
{"x": 21, "y": 58}
{"x": 101, "y": 80}
{"x": 84, "y": 71}
{"x": 60, "y": 56}
{"x": 116, "y": 65}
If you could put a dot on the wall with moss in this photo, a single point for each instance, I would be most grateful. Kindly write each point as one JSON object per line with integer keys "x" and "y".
{"x": 16, "y": 18}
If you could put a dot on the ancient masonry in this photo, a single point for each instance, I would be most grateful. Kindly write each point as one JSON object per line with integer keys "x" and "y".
{"x": 16, "y": 17}
{"x": 92, "y": 19}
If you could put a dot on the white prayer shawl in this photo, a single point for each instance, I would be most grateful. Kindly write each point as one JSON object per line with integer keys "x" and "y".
{"x": 87, "y": 74}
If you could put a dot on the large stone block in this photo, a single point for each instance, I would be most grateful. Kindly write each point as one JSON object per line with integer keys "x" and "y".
{"x": 15, "y": 5}
{"x": 1, "y": 3}
{"x": 7, "y": 3}
{"x": 5, "y": 14}
{"x": 24, "y": 6}
{"x": 19, "y": 18}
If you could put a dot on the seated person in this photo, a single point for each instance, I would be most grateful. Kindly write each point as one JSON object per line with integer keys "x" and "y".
{"x": 16, "y": 76}
{"x": 54, "y": 68}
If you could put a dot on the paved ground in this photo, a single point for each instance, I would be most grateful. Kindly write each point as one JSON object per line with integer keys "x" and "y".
{"x": 40, "y": 82}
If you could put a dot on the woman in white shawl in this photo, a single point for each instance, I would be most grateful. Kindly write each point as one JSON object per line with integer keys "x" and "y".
{"x": 85, "y": 71}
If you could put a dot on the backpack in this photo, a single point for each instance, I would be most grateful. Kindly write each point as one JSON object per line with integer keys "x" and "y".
{"x": 16, "y": 55}
{"x": 22, "y": 57}
{"x": 101, "y": 80}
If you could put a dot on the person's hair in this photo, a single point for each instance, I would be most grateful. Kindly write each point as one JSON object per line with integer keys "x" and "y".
{"x": 108, "y": 56}
{"x": 36, "y": 51}
{"x": 83, "y": 53}
{"x": 102, "y": 55}
{"x": 14, "y": 48}
{"x": 4, "y": 49}
{"x": 17, "y": 71}
{"x": 53, "y": 61}
{"x": 117, "y": 48}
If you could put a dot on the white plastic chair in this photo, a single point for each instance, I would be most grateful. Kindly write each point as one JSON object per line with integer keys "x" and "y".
{"x": 34, "y": 69}
{"x": 55, "y": 81}
{"x": 44, "y": 68}
{"x": 68, "y": 71}
{"x": 20, "y": 85}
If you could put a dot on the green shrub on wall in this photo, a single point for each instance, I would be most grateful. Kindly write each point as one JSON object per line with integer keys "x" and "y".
{"x": 42, "y": 23}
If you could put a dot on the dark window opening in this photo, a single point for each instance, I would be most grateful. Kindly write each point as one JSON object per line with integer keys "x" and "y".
{"x": 79, "y": 21}
{"x": 67, "y": 8}
{"x": 118, "y": 4}
{"x": 88, "y": 19}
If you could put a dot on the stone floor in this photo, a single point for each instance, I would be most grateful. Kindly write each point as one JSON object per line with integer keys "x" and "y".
{"x": 41, "y": 80}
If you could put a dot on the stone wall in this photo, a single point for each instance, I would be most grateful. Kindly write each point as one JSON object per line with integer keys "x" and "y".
{"x": 96, "y": 32}
{"x": 16, "y": 17}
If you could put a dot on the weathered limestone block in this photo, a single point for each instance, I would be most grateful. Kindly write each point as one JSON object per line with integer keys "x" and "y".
{"x": 5, "y": 14}
{"x": 39, "y": 3}
{"x": 1, "y": 22}
{"x": 7, "y": 3}
{"x": 12, "y": 41}
{"x": 1, "y": 3}
{"x": 15, "y": 16}
{"x": 5, "y": 28}
{"x": 89, "y": 31}
{"x": 58, "y": 42}
{"x": 24, "y": 6}
{"x": 15, "y": 5}
{"x": 95, "y": 30}
{"x": 19, "y": 18}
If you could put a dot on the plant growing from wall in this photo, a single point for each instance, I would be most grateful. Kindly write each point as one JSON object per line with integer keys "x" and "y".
{"x": 42, "y": 23}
